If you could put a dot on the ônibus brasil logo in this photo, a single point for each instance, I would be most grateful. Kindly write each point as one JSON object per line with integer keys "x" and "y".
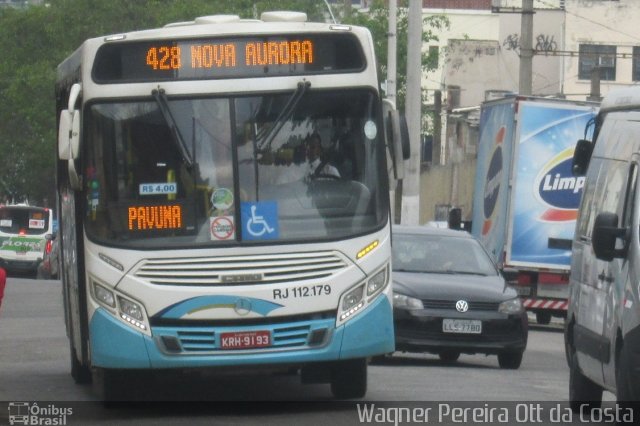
{"x": 558, "y": 189}
{"x": 492, "y": 181}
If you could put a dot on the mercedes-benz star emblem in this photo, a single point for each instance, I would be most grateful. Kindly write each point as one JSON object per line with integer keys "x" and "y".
{"x": 242, "y": 306}
{"x": 462, "y": 306}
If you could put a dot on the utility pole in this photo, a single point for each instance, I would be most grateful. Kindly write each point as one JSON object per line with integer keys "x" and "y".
{"x": 594, "y": 95}
{"x": 526, "y": 48}
{"x": 391, "y": 51}
{"x": 410, "y": 212}
{"x": 390, "y": 84}
{"x": 347, "y": 8}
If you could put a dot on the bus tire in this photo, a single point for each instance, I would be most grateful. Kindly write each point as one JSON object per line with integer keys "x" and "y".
{"x": 81, "y": 373}
{"x": 110, "y": 385}
{"x": 349, "y": 379}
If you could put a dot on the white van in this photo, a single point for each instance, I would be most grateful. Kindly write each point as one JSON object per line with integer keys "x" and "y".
{"x": 602, "y": 331}
{"x": 23, "y": 236}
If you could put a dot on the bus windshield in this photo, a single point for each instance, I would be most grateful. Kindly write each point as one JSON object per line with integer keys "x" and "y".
{"x": 285, "y": 167}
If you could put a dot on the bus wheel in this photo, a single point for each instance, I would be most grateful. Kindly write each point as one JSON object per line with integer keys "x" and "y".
{"x": 349, "y": 378}
{"x": 110, "y": 385}
{"x": 81, "y": 373}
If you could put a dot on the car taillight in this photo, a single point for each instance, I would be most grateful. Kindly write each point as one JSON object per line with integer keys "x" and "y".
{"x": 47, "y": 247}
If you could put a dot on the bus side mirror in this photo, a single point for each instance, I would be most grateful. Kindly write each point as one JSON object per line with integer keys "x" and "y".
{"x": 397, "y": 137}
{"x": 69, "y": 128}
{"x": 604, "y": 236}
{"x": 581, "y": 157}
{"x": 69, "y": 135}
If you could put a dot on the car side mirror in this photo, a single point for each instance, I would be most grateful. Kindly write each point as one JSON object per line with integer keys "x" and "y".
{"x": 604, "y": 237}
{"x": 581, "y": 157}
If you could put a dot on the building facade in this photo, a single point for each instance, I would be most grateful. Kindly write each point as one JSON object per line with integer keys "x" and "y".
{"x": 479, "y": 58}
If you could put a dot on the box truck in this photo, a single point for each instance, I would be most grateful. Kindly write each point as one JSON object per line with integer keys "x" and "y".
{"x": 526, "y": 198}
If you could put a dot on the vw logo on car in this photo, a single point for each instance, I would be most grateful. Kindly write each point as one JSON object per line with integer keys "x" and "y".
{"x": 462, "y": 306}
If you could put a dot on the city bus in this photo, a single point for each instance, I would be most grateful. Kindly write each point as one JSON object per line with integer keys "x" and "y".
{"x": 223, "y": 187}
{"x": 24, "y": 232}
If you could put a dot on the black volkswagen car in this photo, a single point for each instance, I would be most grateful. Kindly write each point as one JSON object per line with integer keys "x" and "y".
{"x": 450, "y": 299}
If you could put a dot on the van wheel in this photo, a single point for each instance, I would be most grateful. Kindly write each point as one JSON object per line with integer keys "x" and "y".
{"x": 510, "y": 360}
{"x": 349, "y": 378}
{"x": 582, "y": 391}
{"x": 543, "y": 317}
{"x": 623, "y": 386}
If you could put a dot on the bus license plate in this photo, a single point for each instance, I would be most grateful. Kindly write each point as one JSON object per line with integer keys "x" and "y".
{"x": 461, "y": 326}
{"x": 245, "y": 339}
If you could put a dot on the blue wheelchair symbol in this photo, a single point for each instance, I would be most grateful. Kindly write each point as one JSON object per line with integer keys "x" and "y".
{"x": 259, "y": 220}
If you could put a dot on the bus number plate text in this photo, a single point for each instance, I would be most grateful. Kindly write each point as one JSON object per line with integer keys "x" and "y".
{"x": 245, "y": 339}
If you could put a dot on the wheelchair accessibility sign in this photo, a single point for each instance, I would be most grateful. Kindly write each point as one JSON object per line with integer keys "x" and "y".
{"x": 259, "y": 220}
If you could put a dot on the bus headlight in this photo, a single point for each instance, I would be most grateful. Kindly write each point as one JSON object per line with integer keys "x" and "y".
{"x": 131, "y": 312}
{"x": 377, "y": 283}
{"x": 351, "y": 302}
{"x": 104, "y": 295}
{"x": 512, "y": 306}
{"x": 127, "y": 310}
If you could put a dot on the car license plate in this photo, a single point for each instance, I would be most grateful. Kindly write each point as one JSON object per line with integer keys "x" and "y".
{"x": 461, "y": 326}
{"x": 245, "y": 339}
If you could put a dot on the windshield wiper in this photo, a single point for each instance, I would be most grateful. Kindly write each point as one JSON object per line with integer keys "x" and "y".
{"x": 284, "y": 115}
{"x": 161, "y": 99}
{"x": 453, "y": 272}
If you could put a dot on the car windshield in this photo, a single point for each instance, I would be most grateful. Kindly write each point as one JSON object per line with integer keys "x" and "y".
{"x": 286, "y": 167}
{"x": 440, "y": 254}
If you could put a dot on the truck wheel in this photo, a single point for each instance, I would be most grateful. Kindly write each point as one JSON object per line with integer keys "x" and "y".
{"x": 582, "y": 391}
{"x": 543, "y": 317}
{"x": 349, "y": 379}
{"x": 510, "y": 360}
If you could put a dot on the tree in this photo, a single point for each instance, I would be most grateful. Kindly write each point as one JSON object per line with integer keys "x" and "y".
{"x": 38, "y": 38}
{"x": 376, "y": 20}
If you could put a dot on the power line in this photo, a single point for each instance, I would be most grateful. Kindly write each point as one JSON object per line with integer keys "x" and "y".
{"x": 593, "y": 22}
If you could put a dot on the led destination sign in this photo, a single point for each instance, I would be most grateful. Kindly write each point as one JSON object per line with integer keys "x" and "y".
{"x": 225, "y": 55}
{"x": 214, "y": 58}
{"x": 155, "y": 217}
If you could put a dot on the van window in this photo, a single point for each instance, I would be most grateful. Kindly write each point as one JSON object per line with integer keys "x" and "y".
{"x": 627, "y": 213}
{"x": 23, "y": 220}
{"x": 616, "y": 182}
{"x": 588, "y": 207}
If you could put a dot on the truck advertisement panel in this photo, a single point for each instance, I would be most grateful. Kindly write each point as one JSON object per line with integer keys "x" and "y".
{"x": 490, "y": 201}
{"x": 546, "y": 195}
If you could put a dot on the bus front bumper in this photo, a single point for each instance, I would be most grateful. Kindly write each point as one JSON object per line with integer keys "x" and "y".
{"x": 118, "y": 346}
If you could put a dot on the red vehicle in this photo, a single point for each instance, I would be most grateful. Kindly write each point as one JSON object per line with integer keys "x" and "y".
{"x": 3, "y": 281}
